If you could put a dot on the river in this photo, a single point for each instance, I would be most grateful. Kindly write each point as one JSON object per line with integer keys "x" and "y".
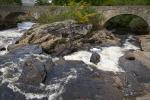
{"x": 109, "y": 59}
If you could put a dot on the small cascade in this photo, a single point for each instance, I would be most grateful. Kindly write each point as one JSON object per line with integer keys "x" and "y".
{"x": 52, "y": 91}
{"x": 109, "y": 56}
{"x": 108, "y": 62}
{"x": 9, "y": 36}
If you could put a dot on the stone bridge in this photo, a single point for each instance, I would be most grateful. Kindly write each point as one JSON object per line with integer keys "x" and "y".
{"x": 11, "y": 12}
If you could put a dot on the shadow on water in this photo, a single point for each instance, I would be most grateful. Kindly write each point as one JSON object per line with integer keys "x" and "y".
{"x": 127, "y": 24}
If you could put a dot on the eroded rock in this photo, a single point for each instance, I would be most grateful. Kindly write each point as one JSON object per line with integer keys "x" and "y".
{"x": 137, "y": 68}
{"x": 62, "y": 38}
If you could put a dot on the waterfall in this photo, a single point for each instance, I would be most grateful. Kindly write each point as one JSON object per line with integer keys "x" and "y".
{"x": 9, "y": 36}
{"x": 109, "y": 56}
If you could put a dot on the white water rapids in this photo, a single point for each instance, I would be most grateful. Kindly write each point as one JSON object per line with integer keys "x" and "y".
{"x": 9, "y": 36}
{"x": 109, "y": 56}
{"x": 109, "y": 60}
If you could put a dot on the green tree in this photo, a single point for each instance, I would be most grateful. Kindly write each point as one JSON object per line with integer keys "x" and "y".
{"x": 105, "y": 2}
{"x": 81, "y": 12}
{"x": 60, "y": 2}
{"x": 139, "y": 26}
{"x": 10, "y": 2}
{"x": 42, "y": 2}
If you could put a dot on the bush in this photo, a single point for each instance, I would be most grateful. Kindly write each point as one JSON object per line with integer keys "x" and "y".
{"x": 47, "y": 18}
{"x": 120, "y": 21}
{"x": 60, "y": 2}
{"x": 127, "y": 23}
{"x": 42, "y": 2}
{"x": 105, "y": 2}
{"x": 139, "y": 26}
{"x": 81, "y": 12}
{"x": 8, "y": 2}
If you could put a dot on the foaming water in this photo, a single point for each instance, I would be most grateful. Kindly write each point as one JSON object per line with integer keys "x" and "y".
{"x": 53, "y": 91}
{"x": 59, "y": 87}
{"x": 109, "y": 56}
{"x": 9, "y": 36}
{"x": 109, "y": 62}
{"x": 24, "y": 26}
{"x": 128, "y": 45}
{"x": 11, "y": 71}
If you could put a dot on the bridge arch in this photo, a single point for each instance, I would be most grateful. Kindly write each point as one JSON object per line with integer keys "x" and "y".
{"x": 127, "y": 22}
{"x": 140, "y": 11}
{"x": 12, "y": 18}
{"x": 1, "y": 22}
{"x": 1, "y": 19}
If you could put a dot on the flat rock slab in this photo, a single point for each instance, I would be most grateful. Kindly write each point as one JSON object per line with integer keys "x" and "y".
{"x": 145, "y": 42}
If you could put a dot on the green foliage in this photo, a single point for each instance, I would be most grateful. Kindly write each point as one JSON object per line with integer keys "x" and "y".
{"x": 10, "y": 2}
{"x": 47, "y": 18}
{"x": 91, "y": 2}
{"x": 127, "y": 22}
{"x": 60, "y": 2}
{"x": 120, "y": 21}
{"x": 136, "y": 2}
{"x": 81, "y": 12}
{"x": 112, "y": 2}
{"x": 139, "y": 26}
{"x": 42, "y": 2}
{"x": 105, "y": 2}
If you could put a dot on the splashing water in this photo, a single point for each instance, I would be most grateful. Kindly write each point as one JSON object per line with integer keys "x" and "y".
{"x": 8, "y": 37}
{"x": 109, "y": 56}
{"x": 109, "y": 62}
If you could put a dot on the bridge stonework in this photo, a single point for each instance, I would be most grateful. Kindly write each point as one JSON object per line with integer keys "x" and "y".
{"x": 111, "y": 11}
{"x": 108, "y": 11}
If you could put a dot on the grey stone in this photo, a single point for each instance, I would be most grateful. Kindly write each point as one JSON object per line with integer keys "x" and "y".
{"x": 95, "y": 58}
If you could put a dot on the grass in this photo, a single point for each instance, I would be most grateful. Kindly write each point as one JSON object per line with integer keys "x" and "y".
{"x": 81, "y": 12}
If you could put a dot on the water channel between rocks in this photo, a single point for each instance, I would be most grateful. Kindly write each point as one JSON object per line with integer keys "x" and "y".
{"x": 109, "y": 60}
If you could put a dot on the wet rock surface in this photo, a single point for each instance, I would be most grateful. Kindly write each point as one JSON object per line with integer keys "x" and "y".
{"x": 137, "y": 68}
{"x": 23, "y": 72}
{"x": 95, "y": 58}
{"x": 2, "y": 48}
{"x": 138, "y": 63}
{"x": 8, "y": 94}
{"x": 61, "y": 38}
{"x": 28, "y": 73}
{"x": 145, "y": 42}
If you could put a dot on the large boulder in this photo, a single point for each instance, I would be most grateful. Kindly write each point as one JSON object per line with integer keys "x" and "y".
{"x": 27, "y": 62}
{"x": 95, "y": 58}
{"x": 138, "y": 63}
{"x": 34, "y": 71}
{"x": 56, "y": 37}
{"x": 29, "y": 74}
{"x": 102, "y": 37}
{"x": 76, "y": 79}
{"x": 61, "y": 38}
{"x": 66, "y": 29}
{"x": 137, "y": 68}
{"x": 22, "y": 71}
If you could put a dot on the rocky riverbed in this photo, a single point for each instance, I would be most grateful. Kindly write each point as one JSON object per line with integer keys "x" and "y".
{"x": 68, "y": 61}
